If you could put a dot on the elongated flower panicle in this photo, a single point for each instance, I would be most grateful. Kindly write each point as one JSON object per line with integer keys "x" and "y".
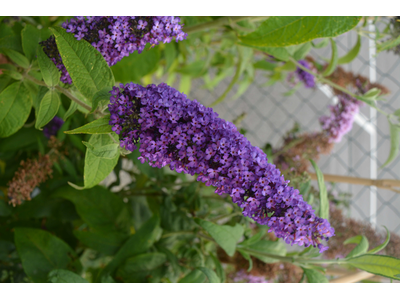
{"x": 341, "y": 119}
{"x": 190, "y": 138}
{"x": 116, "y": 37}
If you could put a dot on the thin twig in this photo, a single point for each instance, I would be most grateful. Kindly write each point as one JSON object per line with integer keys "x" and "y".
{"x": 388, "y": 184}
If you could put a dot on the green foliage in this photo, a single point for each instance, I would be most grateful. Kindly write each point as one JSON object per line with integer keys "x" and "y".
{"x": 101, "y": 157}
{"x": 99, "y": 126}
{"x": 15, "y": 106}
{"x": 334, "y": 60}
{"x": 297, "y": 30}
{"x": 394, "y": 143}
{"x": 65, "y": 276}
{"x": 323, "y": 194}
{"x": 42, "y": 252}
{"x": 48, "y": 108}
{"x": 377, "y": 264}
{"x": 361, "y": 248}
{"x": 17, "y": 57}
{"x": 86, "y": 66}
{"x": 136, "y": 66}
{"x": 50, "y": 73}
{"x": 383, "y": 245}
{"x": 314, "y": 276}
{"x": 225, "y": 236}
{"x": 352, "y": 54}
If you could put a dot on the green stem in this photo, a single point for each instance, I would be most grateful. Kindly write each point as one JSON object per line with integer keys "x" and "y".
{"x": 238, "y": 213}
{"x": 234, "y": 79}
{"x": 292, "y": 259}
{"x": 214, "y": 24}
{"x": 62, "y": 90}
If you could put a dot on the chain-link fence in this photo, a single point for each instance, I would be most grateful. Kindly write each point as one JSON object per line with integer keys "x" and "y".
{"x": 360, "y": 153}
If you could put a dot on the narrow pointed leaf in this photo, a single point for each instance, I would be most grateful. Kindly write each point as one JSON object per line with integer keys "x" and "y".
{"x": 383, "y": 245}
{"x": 334, "y": 60}
{"x": 212, "y": 277}
{"x": 323, "y": 194}
{"x": 394, "y": 144}
{"x": 377, "y": 264}
{"x": 48, "y": 108}
{"x": 352, "y": 54}
{"x": 50, "y": 73}
{"x": 99, "y": 126}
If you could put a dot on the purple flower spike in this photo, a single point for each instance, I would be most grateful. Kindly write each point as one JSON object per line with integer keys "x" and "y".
{"x": 341, "y": 119}
{"x": 52, "y": 127}
{"x": 116, "y": 37}
{"x": 190, "y": 138}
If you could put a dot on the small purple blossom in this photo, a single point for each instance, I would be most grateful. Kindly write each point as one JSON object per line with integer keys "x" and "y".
{"x": 52, "y": 127}
{"x": 116, "y": 37}
{"x": 301, "y": 75}
{"x": 188, "y": 146}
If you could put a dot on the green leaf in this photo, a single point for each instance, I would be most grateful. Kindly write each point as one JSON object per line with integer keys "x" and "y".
{"x": 99, "y": 126}
{"x": 4, "y": 81}
{"x": 107, "y": 151}
{"x": 65, "y": 276}
{"x": 280, "y": 53}
{"x": 185, "y": 84}
{"x": 98, "y": 167}
{"x": 248, "y": 257}
{"x": 218, "y": 268}
{"x": 50, "y": 73}
{"x": 361, "y": 248}
{"x": 267, "y": 247}
{"x": 302, "y": 51}
{"x": 48, "y": 108}
{"x": 138, "y": 243}
{"x": 86, "y": 66}
{"x": 194, "y": 69}
{"x": 297, "y": 30}
{"x": 5, "y": 209}
{"x": 388, "y": 44}
{"x": 196, "y": 276}
{"x": 352, "y": 54}
{"x": 394, "y": 142}
{"x": 226, "y": 236}
{"x": 17, "y": 57}
{"x": 71, "y": 109}
{"x": 15, "y": 106}
{"x": 41, "y": 252}
{"x": 100, "y": 209}
{"x": 106, "y": 242}
{"x": 137, "y": 268}
{"x": 172, "y": 259}
{"x": 135, "y": 66}
{"x": 254, "y": 239}
{"x": 372, "y": 94}
{"x": 101, "y": 96}
{"x": 323, "y": 194}
{"x": 264, "y": 65}
{"x": 212, "y": 277}
{"x": 377, "y": 264}
{"x": 314, "y": 276}
{"x": 170, "y": 54}
{"x": 383, "y": 245}
{"x": 321, "y": 44}
{"x": 31, "y": 37}
{"x": 334, "y": 60}
{"x": 13, "y": 74}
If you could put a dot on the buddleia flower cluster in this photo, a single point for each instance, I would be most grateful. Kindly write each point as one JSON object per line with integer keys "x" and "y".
{"x": 189, "y": 137}
{"x": 116, "y": 37}
{"x": 302, "y": 76}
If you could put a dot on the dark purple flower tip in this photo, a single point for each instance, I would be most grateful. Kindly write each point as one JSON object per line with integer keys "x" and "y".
{"x": 52, "y": 127}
